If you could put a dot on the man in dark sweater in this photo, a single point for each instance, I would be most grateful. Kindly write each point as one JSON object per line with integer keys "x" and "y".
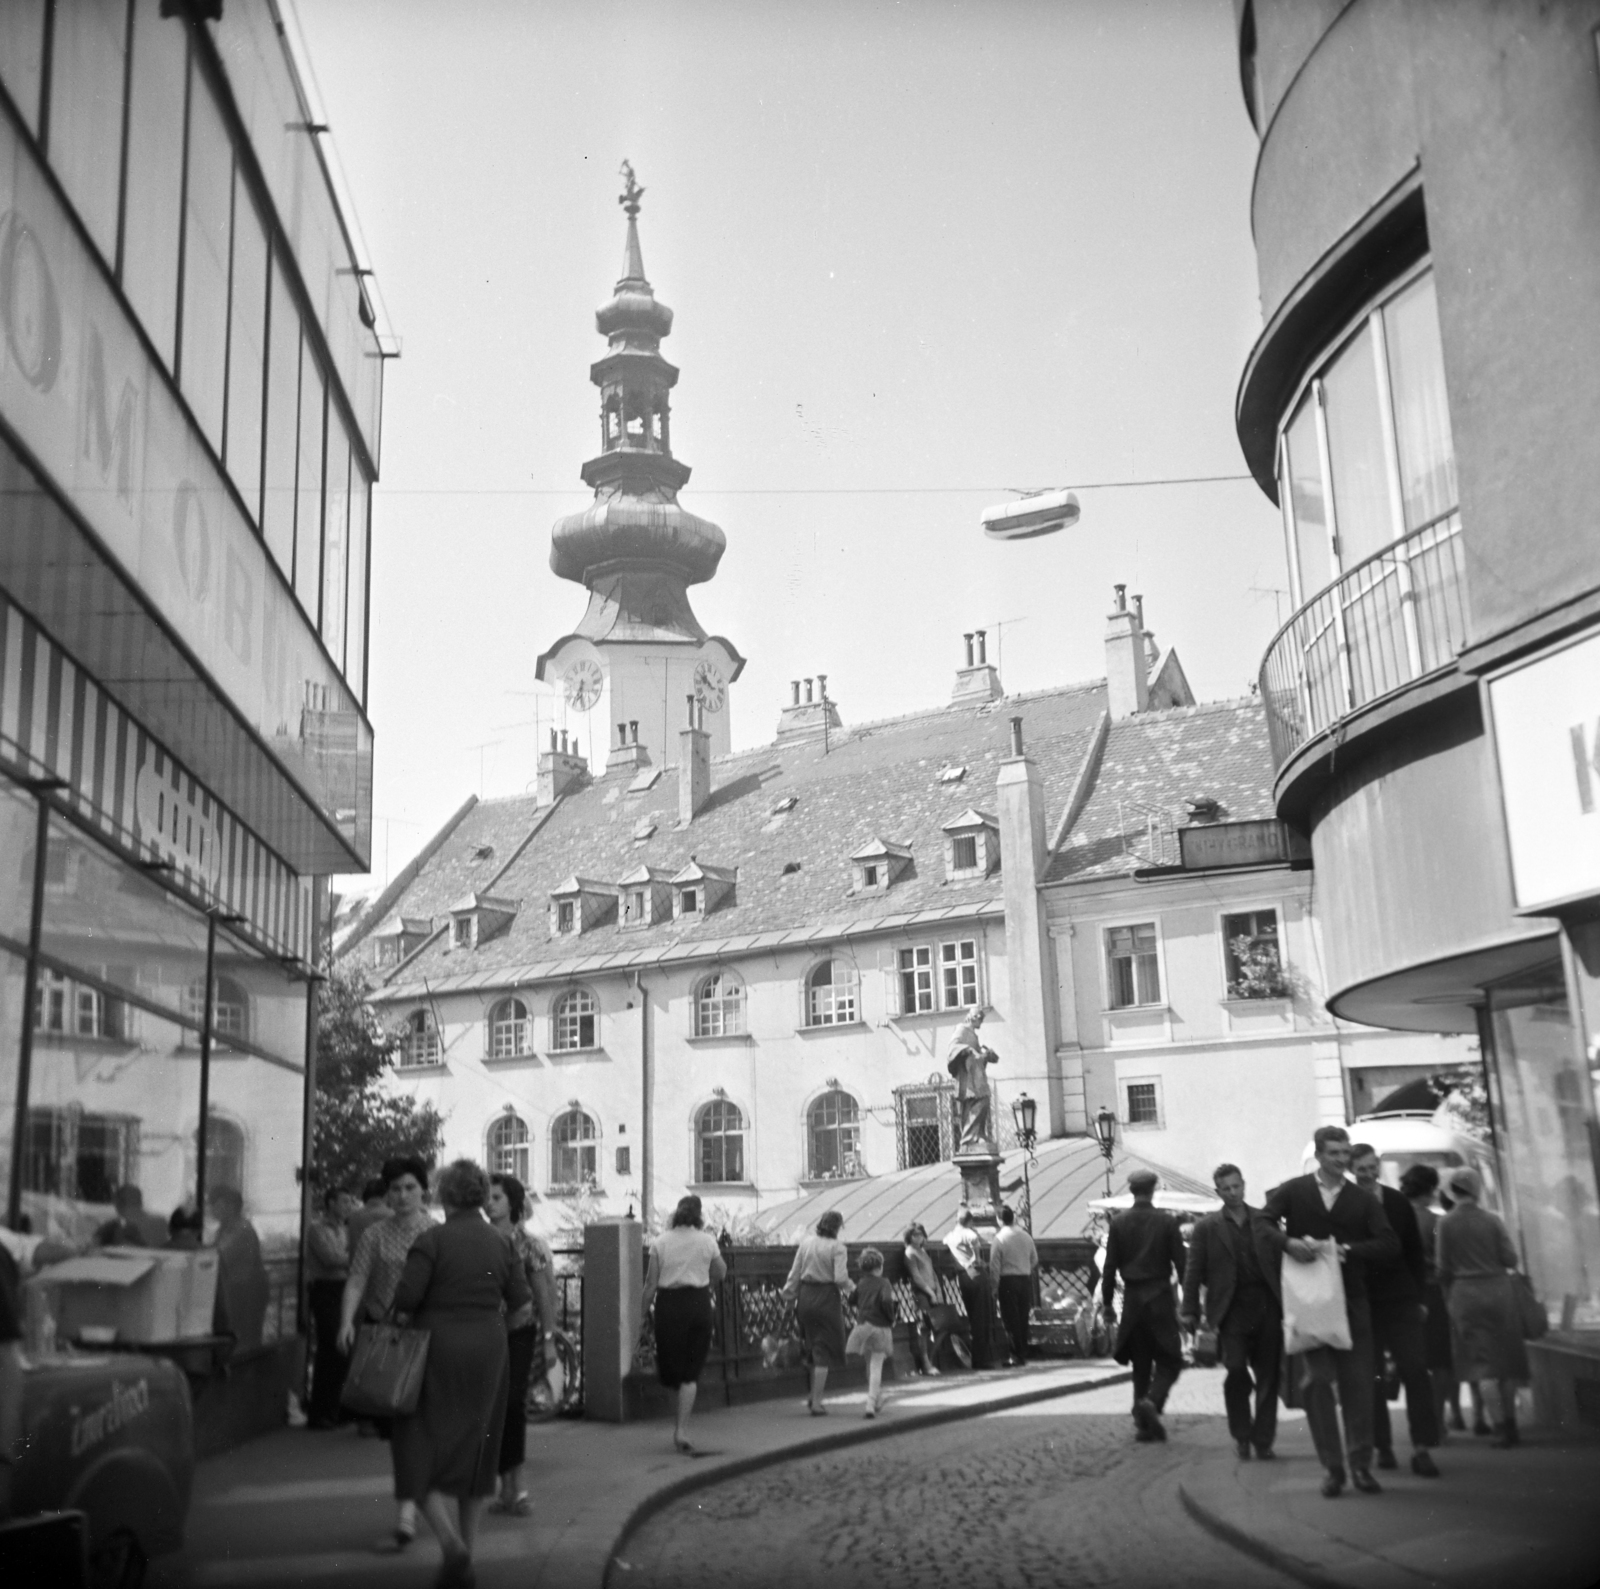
{"x": 1395, "y": 1294}
{"x": 1315, "y": 1208}
{"x": 1144, "y": 1247}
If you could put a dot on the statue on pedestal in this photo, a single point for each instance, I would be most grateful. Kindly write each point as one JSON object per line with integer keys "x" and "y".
{"x": 969, "y": 1062}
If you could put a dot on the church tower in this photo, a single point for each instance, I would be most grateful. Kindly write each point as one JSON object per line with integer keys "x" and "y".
{"x": 639, "y": 653}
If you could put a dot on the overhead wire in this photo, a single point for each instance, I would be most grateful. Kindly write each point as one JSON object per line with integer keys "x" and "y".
{"x": 812, "y": 491}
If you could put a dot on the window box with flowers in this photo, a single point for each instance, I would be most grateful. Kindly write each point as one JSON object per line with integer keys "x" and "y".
{"x": 1259, "y": 994}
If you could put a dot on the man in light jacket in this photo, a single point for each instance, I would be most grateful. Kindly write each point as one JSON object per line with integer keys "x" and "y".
{"x": 1234, "y": 1258}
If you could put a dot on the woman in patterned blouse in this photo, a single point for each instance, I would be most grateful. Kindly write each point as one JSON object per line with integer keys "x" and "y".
{"x": 375, "y": 1270}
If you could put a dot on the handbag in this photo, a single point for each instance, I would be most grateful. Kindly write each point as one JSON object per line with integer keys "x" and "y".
{"x": 1313, "y": 1302}
{"x": 386, "y": 1368}
{"x": 1206, "y": 1352}
{"x": 1530, "y": 1310}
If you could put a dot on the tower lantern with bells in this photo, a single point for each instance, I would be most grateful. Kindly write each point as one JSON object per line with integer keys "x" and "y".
{"x": 639, "y": 648}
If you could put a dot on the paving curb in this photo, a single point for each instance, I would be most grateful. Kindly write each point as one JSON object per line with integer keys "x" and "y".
{"x": 1279, "y": 1545}
{"x": 850, "y": 1434}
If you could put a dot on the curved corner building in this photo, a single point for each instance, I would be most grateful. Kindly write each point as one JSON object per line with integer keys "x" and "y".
{"x": 1423, "y": 405}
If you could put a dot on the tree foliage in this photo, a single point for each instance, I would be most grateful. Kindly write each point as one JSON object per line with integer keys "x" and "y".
{"x": 357, "y": 1122}
{"x": 1464, "y": 1090}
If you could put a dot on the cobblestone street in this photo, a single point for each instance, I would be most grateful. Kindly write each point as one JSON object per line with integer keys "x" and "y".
{"x": 1056, "y": 1493}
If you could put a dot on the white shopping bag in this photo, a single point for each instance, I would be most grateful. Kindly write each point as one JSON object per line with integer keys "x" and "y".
{"x": 1313, "y": 1301}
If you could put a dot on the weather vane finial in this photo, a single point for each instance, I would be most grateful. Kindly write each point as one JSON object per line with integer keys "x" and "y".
{"x": 631, "y": 193}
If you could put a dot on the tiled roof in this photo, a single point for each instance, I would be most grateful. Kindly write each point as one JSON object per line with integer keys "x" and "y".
{"x": 878, "y": 778}
{"x": 1152, "y": 766}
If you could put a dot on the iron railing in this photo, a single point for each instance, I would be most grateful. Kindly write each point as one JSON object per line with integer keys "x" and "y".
{"x": 1393, "y": 619}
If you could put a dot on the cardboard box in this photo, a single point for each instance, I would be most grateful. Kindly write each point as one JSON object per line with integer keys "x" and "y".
{"x": 144, "y": 1294}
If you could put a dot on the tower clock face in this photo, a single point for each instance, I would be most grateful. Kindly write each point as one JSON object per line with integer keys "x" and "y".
{"x": 709, "y": 688}
{"x": 583, "y": 681}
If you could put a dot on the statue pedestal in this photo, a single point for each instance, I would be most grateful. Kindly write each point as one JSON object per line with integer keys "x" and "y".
{"x": 980, "y": 1183}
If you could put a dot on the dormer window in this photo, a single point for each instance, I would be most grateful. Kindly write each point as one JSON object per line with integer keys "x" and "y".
{"x": 878, "y": 865}
{"x": 645, "y": 897}
{"x": 397, "y": 938}
{"x": 698, "y": 890}
{"x": 971, "y": 846}
{"x": 579, "y": 904}
{"x": 478, "y": 918}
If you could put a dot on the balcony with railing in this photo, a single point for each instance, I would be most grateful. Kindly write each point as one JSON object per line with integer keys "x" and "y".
{"x": 1390, "y": 621}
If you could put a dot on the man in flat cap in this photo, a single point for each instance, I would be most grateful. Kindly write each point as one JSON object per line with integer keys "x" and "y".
{"x": 1144, "y": 1247}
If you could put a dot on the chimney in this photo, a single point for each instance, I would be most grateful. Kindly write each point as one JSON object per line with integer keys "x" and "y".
{"x": 1127, "y": 672}
{"x": 811, "y": 717}
{"x": 694, "y": 767}
{"x": 627, "y": 755}
{"x": 1148, "y": 636}
{"x": 978, "y": 681}
{"x": 560, "y": 769}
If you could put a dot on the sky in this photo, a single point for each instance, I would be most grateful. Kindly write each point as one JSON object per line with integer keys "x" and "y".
{"x": 919, "y": 255}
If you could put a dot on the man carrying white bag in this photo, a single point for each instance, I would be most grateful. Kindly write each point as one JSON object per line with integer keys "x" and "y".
{"x": 1335, "y": 1230}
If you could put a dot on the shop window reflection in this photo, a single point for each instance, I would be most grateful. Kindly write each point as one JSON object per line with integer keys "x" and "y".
{"x": 1549, "y": 1130}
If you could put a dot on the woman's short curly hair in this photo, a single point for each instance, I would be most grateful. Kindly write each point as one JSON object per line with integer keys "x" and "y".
{"x": 463, "y": 1184}
{"x": 406, "y": 1164}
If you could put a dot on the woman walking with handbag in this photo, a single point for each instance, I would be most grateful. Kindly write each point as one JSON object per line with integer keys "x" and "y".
{"x": 529, "y": 1334}
{"x": 1476, "y": 1266}
{"x": 375, "y": 1268}
{"x": 457, "y": 1278}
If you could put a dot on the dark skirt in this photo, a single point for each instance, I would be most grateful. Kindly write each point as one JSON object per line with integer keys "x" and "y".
{"x": 1486, "y": 1329}
{"x": 520, "y": 1345}
{"x": 1436, "y": 1331}
{"x": 683, "y": 1334}
{"x": 451, "y": 1441}
{"x": 820, "y": 1315}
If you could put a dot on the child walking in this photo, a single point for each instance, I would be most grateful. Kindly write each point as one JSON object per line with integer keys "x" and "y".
{"x": 873, "y": 1335}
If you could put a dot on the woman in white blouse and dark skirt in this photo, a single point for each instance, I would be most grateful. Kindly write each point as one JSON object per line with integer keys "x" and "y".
{"x": 818, "y": 1283}
{"x": 685, "y": 1262}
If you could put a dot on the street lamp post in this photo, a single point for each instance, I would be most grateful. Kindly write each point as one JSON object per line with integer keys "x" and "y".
{"x": 1105, "y": 1129}
{"x": 1026, "y": 1113}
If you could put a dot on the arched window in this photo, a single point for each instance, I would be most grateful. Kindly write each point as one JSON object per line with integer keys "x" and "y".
{"x": 573, "y": 1020}
{"x": 508, "y": 1029}
{"x": 831, "y": 994}
{"x": 833, "y": 1133}
{"x": 719, "y": 1134}
{"x": 508, "y": 1146}
{"x": 719, "y": 1006}
{"x": 419, "y": 1042}
{"x": 573, "y": 1149}
{"x": 224, "y": 1154}
{"x": 230, "y": 1007}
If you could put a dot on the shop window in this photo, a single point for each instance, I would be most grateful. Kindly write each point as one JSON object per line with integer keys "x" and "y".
{"x": 833, "y": 1138}
{"x": 719, "y": 1006}
{"x": 832, "y": 994}
{"x": 419, "y": 1042}
{"x": 207, "y": 233}
{"x": 574, "y": 1021}
{"x": 719, "y": 1138}
{"x": 1142, "y": 1103}
{"x": 1133, "y": 971}
{"x": 85, "y": 87}
{"x": 1251, "y": 953}
{"x": 508, "y": 1146}
{"x": 574, "y": 1150}
{"x": 509, "y": 1029}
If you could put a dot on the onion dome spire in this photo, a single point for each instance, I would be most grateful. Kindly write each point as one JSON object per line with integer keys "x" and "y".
{"x": 635, "y": 525}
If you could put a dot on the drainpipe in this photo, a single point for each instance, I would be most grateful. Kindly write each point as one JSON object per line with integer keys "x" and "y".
{"x": 646, "y": 1091}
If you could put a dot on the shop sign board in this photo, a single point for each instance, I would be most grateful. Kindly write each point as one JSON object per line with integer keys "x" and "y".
{"x": 79, "y": 389}
{"x": 1545, "y": 718}
{"x": 1209, "y": 845}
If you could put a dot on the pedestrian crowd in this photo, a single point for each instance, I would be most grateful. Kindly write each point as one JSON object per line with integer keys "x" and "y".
{"x": 1309, "y": 1297}
{"x": 479, "y": 1286}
